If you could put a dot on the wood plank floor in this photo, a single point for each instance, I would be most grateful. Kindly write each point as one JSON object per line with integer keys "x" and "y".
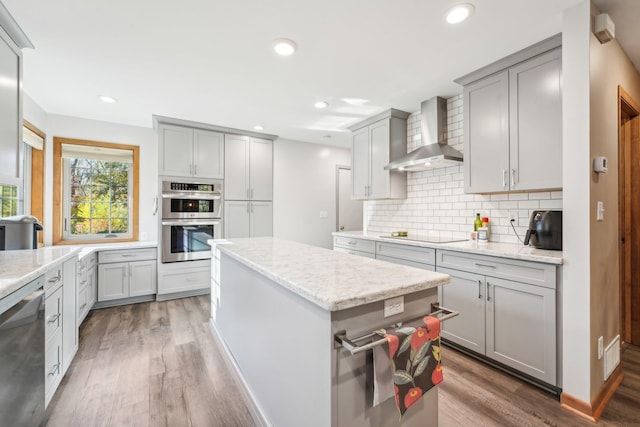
{"x": 156, "y": 364}
{"x": 150, "y": 364}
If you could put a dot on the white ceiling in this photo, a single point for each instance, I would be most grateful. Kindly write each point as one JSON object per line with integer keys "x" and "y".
{"x": 211, "y": 61}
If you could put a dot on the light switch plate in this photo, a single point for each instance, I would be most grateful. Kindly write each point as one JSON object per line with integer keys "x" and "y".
{"x": 393, "y": 306}
{"x": 324, "y": 215}
{"x": 599, "y": 211}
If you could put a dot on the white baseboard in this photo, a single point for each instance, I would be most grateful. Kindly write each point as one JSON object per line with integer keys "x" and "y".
{"x": 253, "y": 406}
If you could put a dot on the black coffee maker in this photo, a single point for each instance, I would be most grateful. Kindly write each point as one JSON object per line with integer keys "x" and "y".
{"x": 545, "y": 230}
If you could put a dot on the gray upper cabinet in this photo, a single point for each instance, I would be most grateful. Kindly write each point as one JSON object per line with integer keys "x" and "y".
{"x": 11, "y": 107}
{"x": 190, "y": 152}
{"x": 249, "y": 168}
{"x": 486, "y": 112}
{"x": 374, "y": 143}
{"x": 513, "y": 124}
{"x": 535, "y": 123}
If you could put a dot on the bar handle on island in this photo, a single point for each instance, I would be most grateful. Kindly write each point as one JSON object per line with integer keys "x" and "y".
{"x": 341, "y": 340}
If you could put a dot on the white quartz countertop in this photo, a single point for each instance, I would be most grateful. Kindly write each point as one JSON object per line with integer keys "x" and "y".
{"x": 88, "y": 249}
{"x": 329, "y": 279}
{"x": 503, "y": 250}
{"x": 17, "y": 268}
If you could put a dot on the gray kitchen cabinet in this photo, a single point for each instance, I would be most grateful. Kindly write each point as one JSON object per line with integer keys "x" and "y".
{"x": 190, "y": 152}
{"x": 249, "y": 168}
{"x": 513, "y": 127}
{"x": 87, "y": 285}
{"x": 69, "y": 319}
{"x": 510, "y": 321}
{"x": 11, "y": 107}
{"x": 466, "y": 292}
{"x": 126, "y": 274}
{"x": 413, "y": 256}
{"x": 248, "y": 219}
{"x": 374, "y": 143}
{"x": 354, "y": 246}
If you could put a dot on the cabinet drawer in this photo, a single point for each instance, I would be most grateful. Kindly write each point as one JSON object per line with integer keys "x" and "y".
{"x": 184, "y": 279}
{"x": 354, "y": 252}
{"x": 87, "y": 262}
{"x": 534, "y": 273}
{"x": 127, "y": 255}
{"x": 401, "y": 261}
{"x": 406, "y": 252}
{"x": 362, "y": 245}
{"x": 52, "y": 279}
{"x": 53, "y": 313}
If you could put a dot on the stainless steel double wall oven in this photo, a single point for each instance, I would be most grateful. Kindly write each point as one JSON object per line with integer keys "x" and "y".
{"x": 191, "y": 215}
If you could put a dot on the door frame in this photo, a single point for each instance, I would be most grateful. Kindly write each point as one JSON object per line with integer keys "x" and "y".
{"x": 628, "y": 206}
{"x": 338, "y": 167}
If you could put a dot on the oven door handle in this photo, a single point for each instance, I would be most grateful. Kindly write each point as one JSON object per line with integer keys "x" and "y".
{"x": 190, "y": 196}
{"x": 185, "y": 223}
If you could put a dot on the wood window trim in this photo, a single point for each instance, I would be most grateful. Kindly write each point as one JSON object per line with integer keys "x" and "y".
{"x": 58, "y": 236}
{"x": 37, "y": 177}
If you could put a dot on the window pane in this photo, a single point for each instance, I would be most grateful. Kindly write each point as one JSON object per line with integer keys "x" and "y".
{"x": 100, "y": 226}
{"x": 80, "y": 226}
{"x": 119, "y": 225}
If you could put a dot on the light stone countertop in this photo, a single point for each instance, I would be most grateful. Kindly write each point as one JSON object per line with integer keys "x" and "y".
{"x": 17, "y": 268}
{"x": 329, "y": 279}
{"x": 502, "y": 250}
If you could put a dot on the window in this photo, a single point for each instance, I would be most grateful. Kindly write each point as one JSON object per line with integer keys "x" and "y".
{"x": 98, "y": 191}
{"x": 9, "y": 200}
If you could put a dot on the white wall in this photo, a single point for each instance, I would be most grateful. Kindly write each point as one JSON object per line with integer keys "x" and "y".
{"x": 576, "y": 183}
{"x": 304, "y": 183}
{"x": 73, "y": 127}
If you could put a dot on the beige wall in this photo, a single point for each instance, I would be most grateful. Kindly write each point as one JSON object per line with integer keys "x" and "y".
{"x": 609, "y": 67}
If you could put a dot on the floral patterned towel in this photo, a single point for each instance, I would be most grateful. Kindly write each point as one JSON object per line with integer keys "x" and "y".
{"x": 416, "y": 364}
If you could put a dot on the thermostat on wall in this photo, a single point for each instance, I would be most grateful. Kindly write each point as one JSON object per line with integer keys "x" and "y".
{"x": 600, "y": 164}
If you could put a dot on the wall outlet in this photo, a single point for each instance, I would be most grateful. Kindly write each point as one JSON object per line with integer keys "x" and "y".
{"x": 600, "y": 347}
{"x": 324, "y": 215}
{"x": 513, "y": 218}
{"x": 393, "y": 306}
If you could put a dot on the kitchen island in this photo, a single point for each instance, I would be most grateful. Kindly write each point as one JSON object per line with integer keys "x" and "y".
{"x": 276, "y": 306}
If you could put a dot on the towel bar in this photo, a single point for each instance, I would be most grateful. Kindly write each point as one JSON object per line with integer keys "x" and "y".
{"x": 341, "y": 339}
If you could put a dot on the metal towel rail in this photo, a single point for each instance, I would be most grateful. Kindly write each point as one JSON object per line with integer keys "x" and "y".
{"x": 341, "y": 339}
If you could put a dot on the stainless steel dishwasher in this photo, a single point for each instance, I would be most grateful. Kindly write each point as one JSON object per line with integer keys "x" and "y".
{"x": 22, "y": 327}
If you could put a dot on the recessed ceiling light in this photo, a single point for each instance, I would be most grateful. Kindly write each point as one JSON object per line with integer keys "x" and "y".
{"x": 258, "y": 127}
{"x": 108, "y": 99}
{"x": 459, "y": 13}
{"x": 320, "y": 105}
{"x": 284, "y": 47}
{"x": 354, "y": 101}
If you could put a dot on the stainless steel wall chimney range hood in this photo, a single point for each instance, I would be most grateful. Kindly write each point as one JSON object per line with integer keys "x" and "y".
{"x": 434, "y": 151}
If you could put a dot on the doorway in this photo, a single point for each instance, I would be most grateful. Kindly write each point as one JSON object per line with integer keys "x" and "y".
{"x": 629, "y": 212}
{"x": 348, "y": 212}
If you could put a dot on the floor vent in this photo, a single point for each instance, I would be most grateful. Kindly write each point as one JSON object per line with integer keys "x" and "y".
{"x": 611, "y": 357}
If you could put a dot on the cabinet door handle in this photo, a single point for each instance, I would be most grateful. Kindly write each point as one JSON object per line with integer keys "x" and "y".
{"x": 54, "y": 318}
{"x": 488, "y": 291}
{"x": 195, "y": 169}
{"x": 351, "y": 242}
{"x": 252, "y": 194}
{"x": 504, "y": 177}
{"x": 513, "y": 177}
{"x": 55, "y": 279}
{"x": 130, "y": 270}
{"x": 83, "y": 306}
{"x": 53, "y": 370}
{"x": 485, "y": 265}
{"x": 248, "y": 194}
{"x": 124, "y": 273}
{"x": 251, "y": 207}
{"x": 479, "y": 289}
{"x": 247, "y": 207}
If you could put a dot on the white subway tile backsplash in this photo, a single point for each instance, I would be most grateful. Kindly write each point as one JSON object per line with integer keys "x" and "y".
{"x": 436, "y": 202}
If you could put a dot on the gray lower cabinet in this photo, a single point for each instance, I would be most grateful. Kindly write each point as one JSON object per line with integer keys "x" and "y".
{"x": 413, "y": 256}
{"x": 510, "y": 321}
{"x": 355, "y": 246}
{"x": 126, "y": 274}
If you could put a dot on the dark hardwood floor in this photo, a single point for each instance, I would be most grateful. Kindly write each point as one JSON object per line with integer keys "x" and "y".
{"x": 156, "y": 364}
